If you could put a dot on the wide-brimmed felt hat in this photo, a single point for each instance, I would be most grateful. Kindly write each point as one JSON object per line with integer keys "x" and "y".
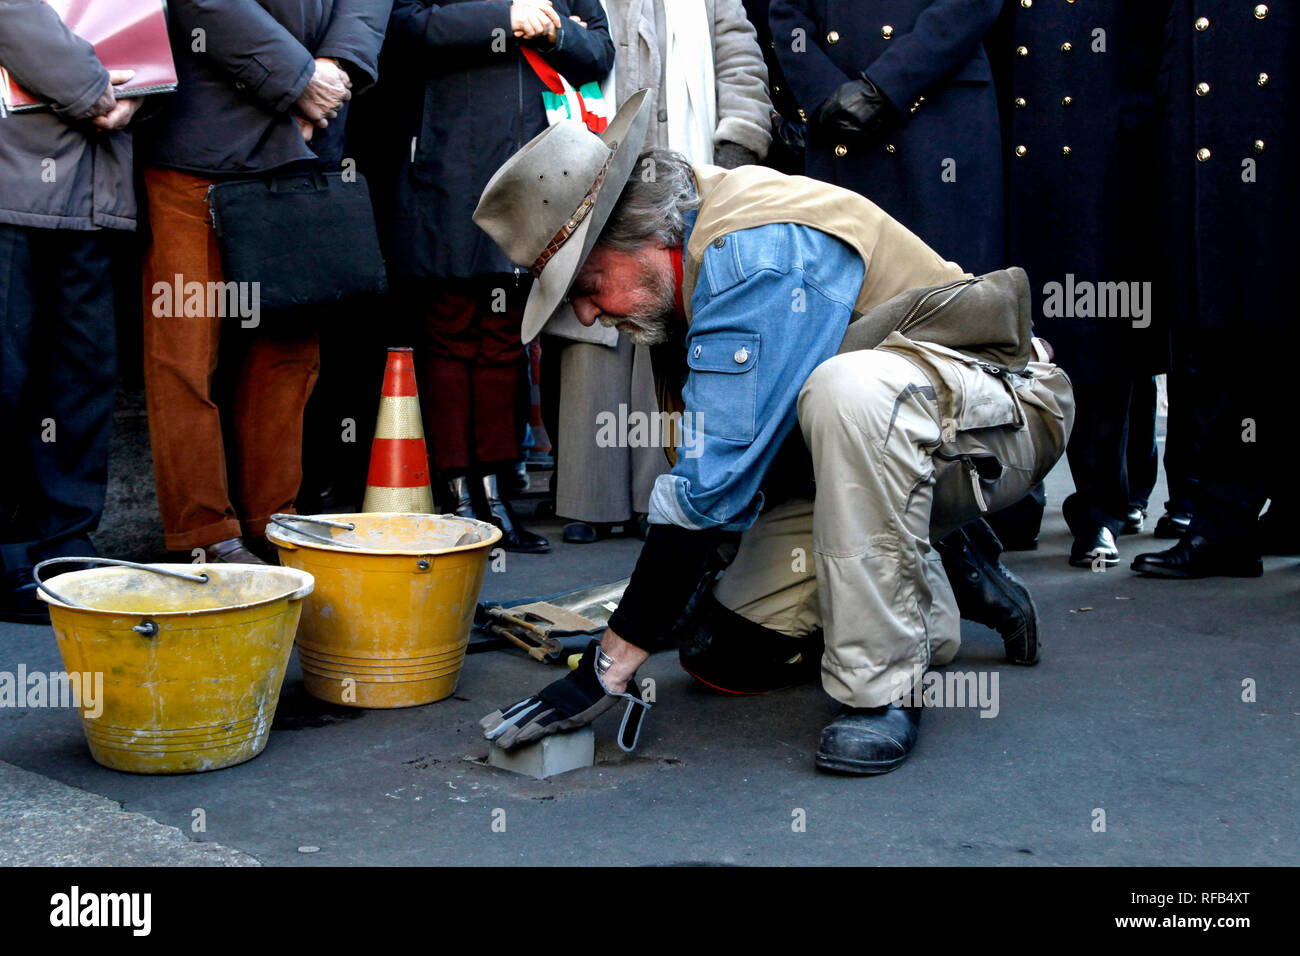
{"x": 546, "y": 205}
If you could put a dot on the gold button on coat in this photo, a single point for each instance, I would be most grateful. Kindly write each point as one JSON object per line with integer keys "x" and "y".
{"x": 1020, "y": 102}
{"x": 833, "y": 37}
{"x": 1067, "y": 46}
{"x": 1202, "y": 154}
{"x": 1021, "y": 150}
{"x": 841, "y": 150}
{"x": 1022, "y": 51}
{"x": 1202, "y": 24}
{"x": 1067, "y": 100}
{"x": 1261, "y": 11}
{"x": 1202, "y": 89}
{"x": 886, "y": 32}
{"x": 1066, "y": 151}
{"x": 891, "y": 149}
{"x": 1262, "y": 79}
{"x": 1026, "y": 3}
{"x": 1259, "y": 146}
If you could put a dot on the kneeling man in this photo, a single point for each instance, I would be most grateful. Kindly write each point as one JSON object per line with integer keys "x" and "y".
{"x": 772, "y": 302}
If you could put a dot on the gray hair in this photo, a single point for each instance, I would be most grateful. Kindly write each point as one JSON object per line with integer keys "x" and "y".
{"x": 651, "y": 206}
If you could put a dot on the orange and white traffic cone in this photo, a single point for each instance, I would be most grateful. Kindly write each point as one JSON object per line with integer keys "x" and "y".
{"x": 399, "y": 460}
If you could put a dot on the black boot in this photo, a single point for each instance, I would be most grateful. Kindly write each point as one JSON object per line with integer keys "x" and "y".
{"x": 868, "y": 740}
{"x": 514, "y": 537}
{"x": 987, "y": 592}
{"x": 459, "y": 501}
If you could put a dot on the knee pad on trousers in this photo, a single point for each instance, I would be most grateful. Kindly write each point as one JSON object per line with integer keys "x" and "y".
{"x": 732, "y": 654}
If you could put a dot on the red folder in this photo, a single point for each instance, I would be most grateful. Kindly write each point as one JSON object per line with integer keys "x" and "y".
{"x": 126, "y": 35}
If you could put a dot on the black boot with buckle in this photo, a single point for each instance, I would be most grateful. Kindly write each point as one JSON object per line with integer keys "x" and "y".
{"x": 514, "y": 536}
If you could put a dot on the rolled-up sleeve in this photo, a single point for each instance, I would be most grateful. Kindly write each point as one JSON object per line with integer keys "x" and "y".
{"x": 771, "y": 304}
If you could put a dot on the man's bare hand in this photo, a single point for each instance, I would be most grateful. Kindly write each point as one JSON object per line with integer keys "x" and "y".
{"x": 305, "y": 127}
{"x": 327, "y": 90}
{"x": 578, "y": 20}
{"x": 534, "y": 18}
{"x": 627, "y": 658}
{"x": 107, "y": 101}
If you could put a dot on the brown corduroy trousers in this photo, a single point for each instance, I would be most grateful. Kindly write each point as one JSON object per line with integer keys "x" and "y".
{"x": 222, "y": 464}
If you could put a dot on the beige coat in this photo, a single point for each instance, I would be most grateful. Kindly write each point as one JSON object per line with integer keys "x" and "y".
{"x": 744, "y": 107}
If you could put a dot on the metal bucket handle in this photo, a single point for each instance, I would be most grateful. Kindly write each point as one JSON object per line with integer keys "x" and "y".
{"x": 146, "y": 627}
{"x": 283, "y": 520}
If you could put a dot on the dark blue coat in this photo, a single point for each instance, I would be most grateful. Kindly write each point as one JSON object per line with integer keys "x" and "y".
{"x": 1081, "y": 170}
{"x": 1230, "y": 151}
{"x": 940, "y": 174}
{"x": 231, "y": 110}
{"x": 480, "y": 103}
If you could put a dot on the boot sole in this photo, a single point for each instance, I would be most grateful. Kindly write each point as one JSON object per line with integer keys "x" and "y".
{"x": 856, "y": 767}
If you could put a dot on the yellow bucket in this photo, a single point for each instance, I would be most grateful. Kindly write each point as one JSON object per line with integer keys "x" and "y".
{"x": 191, "y": 668}
{"x": 389, "y": 621}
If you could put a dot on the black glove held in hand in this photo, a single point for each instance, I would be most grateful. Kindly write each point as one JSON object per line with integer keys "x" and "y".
{"x": 856, "y": 113}
{"x": 729, "y": 155}
{"x": 574, "y": 701}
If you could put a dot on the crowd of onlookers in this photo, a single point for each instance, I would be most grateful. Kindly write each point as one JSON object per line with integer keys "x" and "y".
{"x": 1129, "y": 156}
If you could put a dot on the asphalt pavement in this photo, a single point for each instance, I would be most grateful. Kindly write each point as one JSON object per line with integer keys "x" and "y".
{"x": 1161, "y": 728}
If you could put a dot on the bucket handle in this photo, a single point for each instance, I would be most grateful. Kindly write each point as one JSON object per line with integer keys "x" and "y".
{"x": 283, "y": 521}
{"x": 146, "y": 627}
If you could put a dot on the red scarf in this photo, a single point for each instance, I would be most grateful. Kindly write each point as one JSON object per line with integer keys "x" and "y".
{"x": 675, "y": 254}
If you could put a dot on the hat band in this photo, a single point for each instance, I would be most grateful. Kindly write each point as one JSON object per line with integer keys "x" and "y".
{"x": 584, "y": 207}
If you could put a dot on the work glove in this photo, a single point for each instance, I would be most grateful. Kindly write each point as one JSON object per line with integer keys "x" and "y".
{"x": 573, "y": 701}
{"x": 855, "y": 114}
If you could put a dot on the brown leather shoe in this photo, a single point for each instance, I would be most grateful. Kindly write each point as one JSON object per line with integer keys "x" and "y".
{"x": 231, "y": 551}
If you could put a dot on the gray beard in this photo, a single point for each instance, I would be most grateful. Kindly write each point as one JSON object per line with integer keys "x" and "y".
{"x": 652, "y": 318}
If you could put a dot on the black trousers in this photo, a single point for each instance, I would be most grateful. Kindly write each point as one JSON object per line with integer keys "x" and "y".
{"x": 58, "y": 374}
{"x": 1100, "y": 455}
{"x": 1244, "y": 416}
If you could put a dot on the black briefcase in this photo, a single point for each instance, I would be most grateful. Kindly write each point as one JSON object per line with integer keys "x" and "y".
{"x": 305, "y": 238}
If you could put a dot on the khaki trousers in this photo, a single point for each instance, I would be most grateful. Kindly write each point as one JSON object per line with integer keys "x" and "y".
{"x": 873, "y": 422}
{"x": 209, "y": 491}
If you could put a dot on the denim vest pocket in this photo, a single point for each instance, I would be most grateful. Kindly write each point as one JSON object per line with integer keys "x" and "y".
{"x": 722, "y": 389}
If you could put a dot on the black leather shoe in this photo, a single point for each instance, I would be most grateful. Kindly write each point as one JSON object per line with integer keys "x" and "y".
{"x": 19, "y": 603}
{"x": 459, "y": 500}
{"x": 582, "y": 532}
{"x": 230, "y": 551}
{"x": 1278, "y": 537}
{"x": 988, "y": 592}
{"x": 514, "y": 537}
{"x": 868, "y": 740}
{"x": 1173, "y": 525}
{"x": 1086, "y": 551}
{"x": 1133, "y": 521}
{"x": 1197, "y": 557}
